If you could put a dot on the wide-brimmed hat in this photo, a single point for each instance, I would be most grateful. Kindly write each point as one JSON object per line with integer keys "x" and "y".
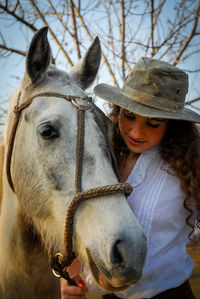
{"x": 153, "y": 89}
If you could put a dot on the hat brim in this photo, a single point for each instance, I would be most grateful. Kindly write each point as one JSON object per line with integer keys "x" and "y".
{"x": 114, "y": 96}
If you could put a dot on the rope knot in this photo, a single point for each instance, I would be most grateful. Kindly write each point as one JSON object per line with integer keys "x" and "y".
{"x": 17, "y": 110}
{"x": 60, "y": 269}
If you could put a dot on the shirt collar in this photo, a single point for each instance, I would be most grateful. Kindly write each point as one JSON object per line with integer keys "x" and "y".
{"x": 138, "y": 172}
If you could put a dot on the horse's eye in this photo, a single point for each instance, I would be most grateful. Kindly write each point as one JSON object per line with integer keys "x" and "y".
{"x": 47, "y": 131}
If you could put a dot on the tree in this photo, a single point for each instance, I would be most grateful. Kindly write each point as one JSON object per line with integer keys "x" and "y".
{"x": 128, "y": 29}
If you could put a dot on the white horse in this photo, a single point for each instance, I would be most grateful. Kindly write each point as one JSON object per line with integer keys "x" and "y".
{"x": 39, "y": 185}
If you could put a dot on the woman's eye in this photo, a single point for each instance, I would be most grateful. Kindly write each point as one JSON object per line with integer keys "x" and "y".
{"x": 152, "y": 125}
{"x": 129, "y": 115}
{"x": 47, "y": 131}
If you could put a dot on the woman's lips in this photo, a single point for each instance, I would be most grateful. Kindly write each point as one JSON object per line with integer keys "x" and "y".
{"x": 135, "y": 142}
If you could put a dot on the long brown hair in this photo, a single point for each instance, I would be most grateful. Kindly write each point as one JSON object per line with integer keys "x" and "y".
{"x": 180, "y": 149}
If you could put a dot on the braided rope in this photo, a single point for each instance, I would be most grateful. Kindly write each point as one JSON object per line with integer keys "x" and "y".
{"x": 77, "y": 199}
{"x": 79, "y": 148}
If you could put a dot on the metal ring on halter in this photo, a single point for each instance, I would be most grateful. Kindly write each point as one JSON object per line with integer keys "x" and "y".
{"x": 76, "y": 105}
{"x": 55, "y": 272}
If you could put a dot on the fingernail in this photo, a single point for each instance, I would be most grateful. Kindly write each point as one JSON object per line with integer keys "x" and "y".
{"x": 81, "y": 283}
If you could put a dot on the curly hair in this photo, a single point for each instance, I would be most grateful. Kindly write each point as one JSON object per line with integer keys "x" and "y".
{"x": 180, "y": 149}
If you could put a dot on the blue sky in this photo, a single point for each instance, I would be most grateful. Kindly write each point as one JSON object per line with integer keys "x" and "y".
{"x": 14, "y": 66}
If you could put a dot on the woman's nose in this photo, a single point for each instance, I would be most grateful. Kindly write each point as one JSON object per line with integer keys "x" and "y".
{"x": 137, "y": 131}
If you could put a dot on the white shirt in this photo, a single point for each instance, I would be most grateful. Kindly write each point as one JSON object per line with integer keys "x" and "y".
{"x": 157, "y": 202}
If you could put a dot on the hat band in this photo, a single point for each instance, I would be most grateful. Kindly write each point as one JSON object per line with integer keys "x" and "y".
{"x": 151, "y": 100}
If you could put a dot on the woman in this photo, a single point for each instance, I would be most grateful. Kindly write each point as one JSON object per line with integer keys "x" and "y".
{"x": 157, "y": 146}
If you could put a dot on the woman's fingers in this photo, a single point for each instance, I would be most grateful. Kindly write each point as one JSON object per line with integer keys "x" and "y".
{"x": 74, "y": 292}
{"x": 74, "y": 268}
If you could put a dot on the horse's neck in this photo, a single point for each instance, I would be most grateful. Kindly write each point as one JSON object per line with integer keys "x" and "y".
{"x": 15, "y": 235}
{"x": 2, "y": 149}
{"x": 8, "y": 202}
{"x": 20, "y": 251}
{"x": 15, "y": 231}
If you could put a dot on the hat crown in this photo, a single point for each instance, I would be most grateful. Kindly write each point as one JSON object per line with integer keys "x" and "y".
{"x": 155, "y": 80}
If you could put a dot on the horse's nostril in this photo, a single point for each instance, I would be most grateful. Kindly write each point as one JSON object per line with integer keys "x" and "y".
{"x": 117, "y": 254}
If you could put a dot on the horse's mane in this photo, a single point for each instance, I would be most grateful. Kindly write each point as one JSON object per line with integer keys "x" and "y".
{"x": 1, "y": 169}
{"x": 3, "y": 141}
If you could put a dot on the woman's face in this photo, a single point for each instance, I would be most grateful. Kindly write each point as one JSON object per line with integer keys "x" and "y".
{"x": 141, "y": 133}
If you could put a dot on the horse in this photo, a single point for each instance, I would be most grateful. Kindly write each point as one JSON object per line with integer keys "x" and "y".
{"x": 38, "y": 182}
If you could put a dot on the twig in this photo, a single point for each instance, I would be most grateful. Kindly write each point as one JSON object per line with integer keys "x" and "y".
{"x": 18, "y": 18}
{"x": 20, "y": 52}
{"x": 91, "y": 38}
{"x": 192, "y": 34}
{"x": 74, "y": 26}
{"x": 123, "y": 30}
{"x": 51, "y": 32}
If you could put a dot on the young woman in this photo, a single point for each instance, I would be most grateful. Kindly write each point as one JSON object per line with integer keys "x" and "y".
{"x": 157, "y": 146}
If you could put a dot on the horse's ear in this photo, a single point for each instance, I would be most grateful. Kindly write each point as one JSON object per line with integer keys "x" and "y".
{"x": 84, "y": 72}
{"x": 39, "y": 55}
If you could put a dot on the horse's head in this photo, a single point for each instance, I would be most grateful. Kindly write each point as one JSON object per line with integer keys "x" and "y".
{"x": 106, "y": 235}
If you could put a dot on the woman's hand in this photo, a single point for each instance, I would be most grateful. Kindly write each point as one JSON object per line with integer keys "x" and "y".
{"x": 75, "y": 292}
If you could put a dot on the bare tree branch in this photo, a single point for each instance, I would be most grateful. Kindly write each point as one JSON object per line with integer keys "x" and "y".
{"x": 127, "y": 30}
{"x": 192, "y": 101}
{"x": 189, "y": 38}
{"x": 123, "y": 31}
{"x": 51, "y": 32}
{"x": 16, "y": 5}
{"x": 152, "y": 28}
{"x": 91, "y": 38}
{"x": 17, "y": 17}
{"x": 74, "y": 27}
{"x": 12, "y": 50}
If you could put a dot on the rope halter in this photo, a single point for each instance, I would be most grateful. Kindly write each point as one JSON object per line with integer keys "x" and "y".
{"x": 59, "y": 262}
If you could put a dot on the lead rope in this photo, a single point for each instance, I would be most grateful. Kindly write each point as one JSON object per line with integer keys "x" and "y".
{"x": 79, "y": 148}
{"x": 60, "y": 263}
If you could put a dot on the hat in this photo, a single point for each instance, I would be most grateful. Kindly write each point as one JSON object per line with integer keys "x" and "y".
{"x": 153, "y": 89}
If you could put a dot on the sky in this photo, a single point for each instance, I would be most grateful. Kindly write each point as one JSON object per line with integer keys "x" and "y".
{"x": 12, "y": 68}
